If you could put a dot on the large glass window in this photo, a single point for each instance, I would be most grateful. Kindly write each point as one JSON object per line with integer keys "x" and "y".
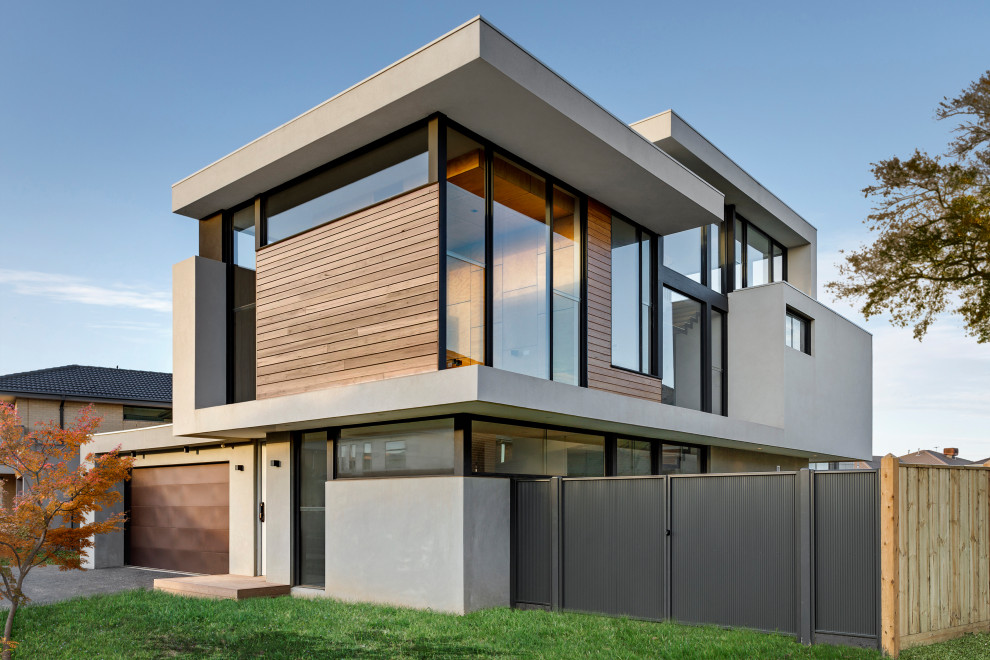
{"x": 393, "y": 450}
{"x": 633, "y": 457}
{"x": 244, "y": 246}
{"x": 778, "y": 263}
{"x": 628, "y": 299}
{"x": 511, "y": 449}
{"x": 682, "y": 350}
{"x": 682, "y": 252}
{"x": 520, "y": 239}
{"x": 312, "y": 477}
{"x": 718, "y": 366}
{"x": 465, "y": 251}
{"x": 757, "y": 257}
{"x": 715, "y": 259}
{"x": 361, "y": 181}
{"x": 566, "y": 287}
{"x": 678, "y": 459}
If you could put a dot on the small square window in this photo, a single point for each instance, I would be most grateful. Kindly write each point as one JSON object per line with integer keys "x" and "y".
{"x": 797, "y": 332}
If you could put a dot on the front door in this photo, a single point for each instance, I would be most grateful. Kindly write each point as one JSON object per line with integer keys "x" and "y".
{"x": 311, "y": 462}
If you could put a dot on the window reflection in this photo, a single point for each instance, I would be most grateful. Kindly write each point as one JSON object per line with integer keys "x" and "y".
{"x": 391, "y": 450}
{"x": 625, "y": 295}
{"x": 633, "y": 457}
{"x": 519, "y": 291}
{"x": 681, "y": 350}
{"x": 678, "y": 459}
{"x": 566, "y": 287}
{"x": 715, "y": 259}
{"x": 757, "y": 257}
{"x": 718, "y": 370}
{"x": 511, "y": 449}
{"x": 682, "y": 252}
{"x": 312, "y": 461}
{"x": 465, "y": 251}
{"x": 362, "y": 181}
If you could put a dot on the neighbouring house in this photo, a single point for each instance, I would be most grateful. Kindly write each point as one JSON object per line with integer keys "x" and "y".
{"x": 463, "y": 269}
{"x": 948, "y": 456}
{"x": 124, "y": 398}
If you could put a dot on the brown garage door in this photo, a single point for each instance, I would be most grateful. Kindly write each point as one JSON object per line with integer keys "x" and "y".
{"x": 179, "y": 518}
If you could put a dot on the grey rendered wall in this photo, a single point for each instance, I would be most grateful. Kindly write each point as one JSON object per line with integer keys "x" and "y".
{"x": 724, "y": 459}
{"x": 429, "y": 542}
{"x": 199, "y": 338}
{"x": 823, "y": 401}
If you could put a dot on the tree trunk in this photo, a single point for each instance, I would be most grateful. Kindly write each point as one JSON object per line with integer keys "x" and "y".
{"x": 8, "y": 629}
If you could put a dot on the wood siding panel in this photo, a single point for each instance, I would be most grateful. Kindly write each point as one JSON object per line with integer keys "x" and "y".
{"x": 943, "y": 553}
{"x": 351, "y": 301}
{"x": 601, "y": 374}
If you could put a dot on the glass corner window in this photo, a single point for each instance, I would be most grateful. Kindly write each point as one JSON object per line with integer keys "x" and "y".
{"x": 244, "y": 241}
{"x": 682, "y": 252}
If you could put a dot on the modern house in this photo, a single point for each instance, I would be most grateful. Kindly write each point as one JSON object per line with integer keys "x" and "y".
{"x": 947, "y": 457}
{"x": 460, "y": 270}
{"x": 123, "y": 398}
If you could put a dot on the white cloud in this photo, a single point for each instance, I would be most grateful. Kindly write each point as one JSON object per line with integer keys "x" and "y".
{"x": 71, "y": 288}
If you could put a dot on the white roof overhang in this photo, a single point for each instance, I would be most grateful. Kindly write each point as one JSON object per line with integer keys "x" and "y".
{"x": 478, "y": 77}
{"x": 676, "y": 137}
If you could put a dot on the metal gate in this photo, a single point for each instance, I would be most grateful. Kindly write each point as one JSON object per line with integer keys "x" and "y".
{"x": 794, "y": 552}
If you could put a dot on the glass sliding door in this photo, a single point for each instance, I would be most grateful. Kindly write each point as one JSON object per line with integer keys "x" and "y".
{"x": 466, "y": 262}
{"x": 520, "y": 303}
{"x": 311, "y": 478}
{"x": 566, "y": 287}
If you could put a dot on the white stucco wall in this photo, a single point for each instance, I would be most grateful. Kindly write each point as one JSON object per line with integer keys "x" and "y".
{"x": 429, "y": 542}
{"x": 823, "y": 401}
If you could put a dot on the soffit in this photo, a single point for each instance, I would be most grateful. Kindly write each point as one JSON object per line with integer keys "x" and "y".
{"x": 481, "y": 79}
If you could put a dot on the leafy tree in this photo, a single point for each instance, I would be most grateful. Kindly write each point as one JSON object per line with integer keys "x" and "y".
{"x": 932, "y": 216}
{"x": 46, "y": 524}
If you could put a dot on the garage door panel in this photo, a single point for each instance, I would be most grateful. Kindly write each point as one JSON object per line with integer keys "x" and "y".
{"x": 179, "y": 518}
{"x": 216, "y": 494}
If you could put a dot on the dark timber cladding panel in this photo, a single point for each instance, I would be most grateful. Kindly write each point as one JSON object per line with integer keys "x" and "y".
{"x": 351, "y": 301}
{"x": 601, "y": 374}
{"x": 846, "y": 580}
{"x": 532, "y": 516}
{"x": 179, "y": 518}
{"x": 733, "y": 551}
{"x": 613, "y": 560}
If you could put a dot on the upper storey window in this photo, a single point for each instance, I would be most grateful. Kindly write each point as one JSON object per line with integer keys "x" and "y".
{"x": 513, "y": 264}
{"x": 343, "y": 188}
{"x": 759, "y": 259}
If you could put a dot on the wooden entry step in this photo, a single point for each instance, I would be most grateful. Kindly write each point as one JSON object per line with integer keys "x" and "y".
{"x": 233, "y": 587}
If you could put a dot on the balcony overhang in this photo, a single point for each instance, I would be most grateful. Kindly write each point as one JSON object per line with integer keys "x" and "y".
{"x": 478, "y": 77}
{"x": 675, "y": 136}
{"x": 483, "y": 391}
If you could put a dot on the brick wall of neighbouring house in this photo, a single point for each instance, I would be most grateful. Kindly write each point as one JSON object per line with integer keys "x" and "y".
{"x": 33, "y": 411}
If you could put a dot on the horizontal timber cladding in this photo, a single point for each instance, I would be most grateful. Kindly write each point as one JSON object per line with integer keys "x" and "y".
{"x": 846, "y": 547}
{"x": 733, "y": 551}
{"x": 351, "y": 301}
{"x": 613, "y": 546}
{"x": 601, "y": 374}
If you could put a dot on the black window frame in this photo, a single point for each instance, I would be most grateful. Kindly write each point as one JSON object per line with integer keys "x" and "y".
{"x": 805, "y": 332}
{"x": 729, "y": 270}
{"x": 550, "y": 181}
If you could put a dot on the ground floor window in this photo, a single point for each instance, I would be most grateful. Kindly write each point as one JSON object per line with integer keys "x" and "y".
{"x": 511, "y": 449}
{"x": 311, "y": 471}
{"x": 395, "y": 450}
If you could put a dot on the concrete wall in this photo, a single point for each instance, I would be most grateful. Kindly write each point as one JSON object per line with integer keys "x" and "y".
{"x": 278, "y": 509}
{"x": 199, "y": 338}
{"x": 428, "y": 542}
{"x": 823, "y": 401}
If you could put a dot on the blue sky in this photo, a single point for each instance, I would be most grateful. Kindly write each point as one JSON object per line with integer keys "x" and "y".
{"x": 105, "y": 104}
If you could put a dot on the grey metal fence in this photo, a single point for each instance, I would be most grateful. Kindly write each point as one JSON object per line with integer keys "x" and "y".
{"x": 785, "y": 551}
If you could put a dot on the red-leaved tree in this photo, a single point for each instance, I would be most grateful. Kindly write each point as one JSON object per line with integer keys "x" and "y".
{"x": 47, "y": 523}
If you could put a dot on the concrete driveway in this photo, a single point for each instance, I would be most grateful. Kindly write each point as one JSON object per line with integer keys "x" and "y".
{"x": 47, "y": 584}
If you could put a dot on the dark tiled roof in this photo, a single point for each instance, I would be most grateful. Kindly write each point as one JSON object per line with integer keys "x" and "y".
{"x": 929, "y": 457}
{"x": 92, "y": 383}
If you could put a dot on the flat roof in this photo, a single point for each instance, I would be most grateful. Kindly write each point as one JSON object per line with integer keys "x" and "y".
{"x": 753, "y": 201}
{"x": 482, "y": 79}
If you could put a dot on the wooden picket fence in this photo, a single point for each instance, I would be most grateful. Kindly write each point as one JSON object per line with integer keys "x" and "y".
{"x": 935, "y": 553}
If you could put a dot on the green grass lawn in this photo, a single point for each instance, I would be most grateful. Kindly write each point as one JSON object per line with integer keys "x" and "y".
{"x": 146, "y": 624}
